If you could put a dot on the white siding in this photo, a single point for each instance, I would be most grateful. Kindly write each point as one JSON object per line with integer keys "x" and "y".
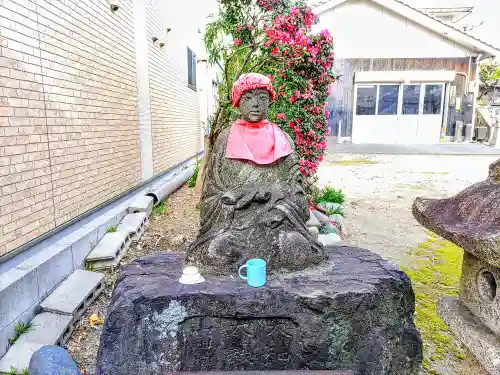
{"x": 362, "y": 29}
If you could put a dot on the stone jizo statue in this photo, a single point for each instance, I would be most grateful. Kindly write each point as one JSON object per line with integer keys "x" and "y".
{"x": 253, "y": 204}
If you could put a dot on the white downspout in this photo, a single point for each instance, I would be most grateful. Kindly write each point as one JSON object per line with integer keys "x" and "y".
{"x": 476, "y": 93}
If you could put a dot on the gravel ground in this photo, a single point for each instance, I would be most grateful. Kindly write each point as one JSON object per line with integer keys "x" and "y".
{"x": 170, "y": 230}
{"x": 379, "y": 192}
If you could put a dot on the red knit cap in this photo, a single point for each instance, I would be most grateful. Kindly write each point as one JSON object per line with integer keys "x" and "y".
{"x": 251, "y": 81}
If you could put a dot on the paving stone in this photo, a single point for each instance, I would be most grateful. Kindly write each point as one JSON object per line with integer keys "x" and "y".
{"x": 19, "y": 356}
{"x": 109, "y": 250}
{"x": 49, "y": 329}
{"x": 75, "y": 293}
{"x": 143, "y": 203}
{"x": 135, "y": 224}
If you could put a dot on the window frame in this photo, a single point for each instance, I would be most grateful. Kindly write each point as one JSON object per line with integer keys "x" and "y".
{"x": 400, "y": 97}
{"x": 191, "y": 76}
{"x": 422, "y": 98}
{"x": 355, "y": 107}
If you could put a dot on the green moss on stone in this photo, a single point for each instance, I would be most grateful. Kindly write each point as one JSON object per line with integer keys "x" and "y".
{"x": 435, "y": 271}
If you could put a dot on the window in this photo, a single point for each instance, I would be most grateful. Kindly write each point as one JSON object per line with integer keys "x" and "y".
{"x": 432, "y": 99}
{"x": 366, "y": 100}
{"x": 388, "y": 99}
{"x": 411, "y": 99}
{"x": 191, "y": 57}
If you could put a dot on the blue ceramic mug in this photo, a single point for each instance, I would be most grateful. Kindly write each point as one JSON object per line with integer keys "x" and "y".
{"x": 256, "y": 272}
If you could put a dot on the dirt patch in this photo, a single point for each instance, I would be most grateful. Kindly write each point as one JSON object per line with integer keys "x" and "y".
{"x": 169, "y": 230}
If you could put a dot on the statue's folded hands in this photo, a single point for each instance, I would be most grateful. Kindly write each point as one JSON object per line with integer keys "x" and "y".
{"x": 242, "y": 198}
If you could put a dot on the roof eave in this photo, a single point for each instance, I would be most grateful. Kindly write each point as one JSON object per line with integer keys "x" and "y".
{"x": 428, "y": 22}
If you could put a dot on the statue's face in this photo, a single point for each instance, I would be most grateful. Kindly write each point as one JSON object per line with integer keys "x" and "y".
{"x": 254, "y": 105}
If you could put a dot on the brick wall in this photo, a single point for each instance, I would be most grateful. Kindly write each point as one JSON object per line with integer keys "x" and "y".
{"x": 69, "y": 123}
{"x": 69, "y": 135}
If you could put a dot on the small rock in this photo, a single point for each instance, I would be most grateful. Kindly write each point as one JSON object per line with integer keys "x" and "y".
{"x": 330, "y": 206}
{"x": 52, "y": 360}
{"x": 314, "y": 231}
{"x": 329, "y": 239}
{"x": 337, "y": 219}
{"x": 313, "y": 221}
{"x": 322, "y": 218}
{"x": 178, "y": 240}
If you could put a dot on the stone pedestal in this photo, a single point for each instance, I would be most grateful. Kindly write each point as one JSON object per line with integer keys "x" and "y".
{"x": 355, "y": 312}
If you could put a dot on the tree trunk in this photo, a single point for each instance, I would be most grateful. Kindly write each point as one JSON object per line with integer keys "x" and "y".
{"x": 201, "y": 171}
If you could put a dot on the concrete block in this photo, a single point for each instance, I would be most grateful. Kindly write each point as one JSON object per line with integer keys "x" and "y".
{"x": 143, "y": 203}
{"x": 10, "y": 331}
{"x": 102, "y": 224}
{"x": 82, "y": 241}
{"x": 53, "y": 265}
{"x": 18, "y": 356}
{"x": 110, "y": 250}
{"x": 49, "y": 329}
{"x": 135, "y": 224}
{"x": 18, "y": 292}
{"x": 75, "y": 293}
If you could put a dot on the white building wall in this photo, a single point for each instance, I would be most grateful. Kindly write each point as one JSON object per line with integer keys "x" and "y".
{"x": 362, "y": 29}
{"x": 175, "y": 107}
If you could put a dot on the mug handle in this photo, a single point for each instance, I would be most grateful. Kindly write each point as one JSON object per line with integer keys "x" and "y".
{"x": 241, "y": 269}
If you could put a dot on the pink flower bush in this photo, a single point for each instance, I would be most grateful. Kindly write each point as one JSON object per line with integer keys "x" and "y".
{"x": 281, "y": 45}
{"x": 302, "y": 82}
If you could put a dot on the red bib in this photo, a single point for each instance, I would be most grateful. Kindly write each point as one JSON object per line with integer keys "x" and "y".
{"x": 262, "y": 142}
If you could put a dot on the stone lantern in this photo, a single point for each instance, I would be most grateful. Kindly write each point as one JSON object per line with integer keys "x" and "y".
{"x": 471, "y": 219}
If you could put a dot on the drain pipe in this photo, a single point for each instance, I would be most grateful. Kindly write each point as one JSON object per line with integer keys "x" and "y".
{"x": 167, "y": 186}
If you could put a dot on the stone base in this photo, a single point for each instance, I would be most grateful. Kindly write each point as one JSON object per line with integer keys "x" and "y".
{"x": 355, "y": 313}
{"x": 472, "y": 333}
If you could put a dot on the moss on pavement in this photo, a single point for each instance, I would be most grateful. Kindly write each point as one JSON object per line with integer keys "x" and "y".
{"x": 435, "y": 269}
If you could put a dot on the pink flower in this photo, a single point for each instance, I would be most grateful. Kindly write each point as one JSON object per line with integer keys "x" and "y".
{"x": 325, "y": 34}
{"x": 238, "y": 42}
{"x": 281, "y": 116}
